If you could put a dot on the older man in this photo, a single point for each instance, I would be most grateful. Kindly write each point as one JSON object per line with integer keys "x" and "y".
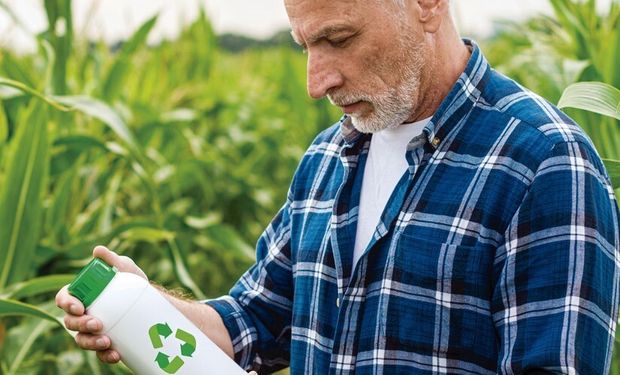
{"x": 451, "y": 222}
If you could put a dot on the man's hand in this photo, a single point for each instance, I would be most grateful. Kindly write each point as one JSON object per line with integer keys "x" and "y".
{"x": 89, "y": 328}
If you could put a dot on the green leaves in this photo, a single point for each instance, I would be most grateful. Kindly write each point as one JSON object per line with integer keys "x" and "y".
{"x": 28, "y": 90}
{"x": 21, "y": 196}
{"x": 613, "y": 169}
{"x": 595, "y": 97}
{"x": 4, "y": 125}
{"x": 117, "y": 74}
{"x": 224, "y": 238}
{"x": 60, "y": 35}
{"x": 36, "y": 286}
{"x": 101, "y": 111}
{"x": 15, "y": 308}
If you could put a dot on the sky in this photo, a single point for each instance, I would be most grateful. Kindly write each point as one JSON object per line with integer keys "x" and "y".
{"x": 114, "y": 20}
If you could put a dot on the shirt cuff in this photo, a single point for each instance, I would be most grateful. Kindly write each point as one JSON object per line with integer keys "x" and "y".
{"x": 240, "y": 328}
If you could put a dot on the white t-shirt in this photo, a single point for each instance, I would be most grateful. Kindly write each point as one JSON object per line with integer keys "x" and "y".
{"x": 385, "y": 165}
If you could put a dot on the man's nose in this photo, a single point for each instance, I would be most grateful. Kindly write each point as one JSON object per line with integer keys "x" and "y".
{"x": 323, "y": 75}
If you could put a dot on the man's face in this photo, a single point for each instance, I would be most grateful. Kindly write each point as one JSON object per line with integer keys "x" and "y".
{"x": 366, "y": 56}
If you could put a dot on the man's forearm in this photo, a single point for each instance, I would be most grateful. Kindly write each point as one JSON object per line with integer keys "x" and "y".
{"x": 206, "y": 319}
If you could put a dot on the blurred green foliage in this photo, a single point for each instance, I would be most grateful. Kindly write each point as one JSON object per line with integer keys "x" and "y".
{"x": 179, "y": 154}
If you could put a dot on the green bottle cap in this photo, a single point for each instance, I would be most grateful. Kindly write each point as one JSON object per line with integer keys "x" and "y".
{"x": 91, "y": 281}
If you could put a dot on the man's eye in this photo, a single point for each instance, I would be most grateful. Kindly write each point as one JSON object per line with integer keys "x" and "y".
{"x": 341, "y": 42}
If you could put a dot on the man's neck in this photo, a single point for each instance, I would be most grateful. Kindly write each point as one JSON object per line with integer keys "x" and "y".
{"x": 448, "y": 61}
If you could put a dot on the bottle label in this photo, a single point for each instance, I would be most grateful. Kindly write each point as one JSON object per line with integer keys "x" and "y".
{"x": 186, "y": 340}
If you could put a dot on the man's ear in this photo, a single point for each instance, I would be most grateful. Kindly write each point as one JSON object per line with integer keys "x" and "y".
{"x": 432, "y": 14}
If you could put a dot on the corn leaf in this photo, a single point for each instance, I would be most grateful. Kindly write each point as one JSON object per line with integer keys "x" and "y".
{"x": 109, "y": 204}
{"x": 85, "y": 104}
{"x": 103, "y": 112}
{"x": 10, "y": 307}
{"x": 595, "y": 97}
{"x": 28, "y": 90}
{"x": 22, "y": 340}
{"x": 57, "y": 209}
{"x": 15, "y": 69}
{"x": 84, "y": 244}
{"x": 39, "y": 285}
{"x": 181, "y": 270}
{"x": 117, "y": 74}
{"x": 150, "y": 235}
{"x": 25, "y": 346}
{"x": 80, "y": 142}
{"x": 4, "y": 125}
{"x": 226, "y": 238}
{"x": 613, "y": 169}
{"x": 60, "y": 36}
{"x": 21, "y": 200}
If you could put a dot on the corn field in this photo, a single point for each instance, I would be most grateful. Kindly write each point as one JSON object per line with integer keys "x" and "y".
{"x": 179, "y": 154}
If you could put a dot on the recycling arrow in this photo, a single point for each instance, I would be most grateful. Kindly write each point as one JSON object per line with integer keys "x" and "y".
{"x": 168, "y": 366}
{"x": 158, "y": 330}
{"x": 189, "y": 347}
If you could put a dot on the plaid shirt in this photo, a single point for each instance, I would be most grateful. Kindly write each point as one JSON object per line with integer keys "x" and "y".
{"x": 497, "y": 252}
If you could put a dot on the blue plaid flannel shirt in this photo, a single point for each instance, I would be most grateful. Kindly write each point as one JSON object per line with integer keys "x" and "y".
{"x": 498, "y": 251}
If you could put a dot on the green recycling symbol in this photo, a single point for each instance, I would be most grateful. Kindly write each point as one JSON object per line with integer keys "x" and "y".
{"x": 188, "y": 346}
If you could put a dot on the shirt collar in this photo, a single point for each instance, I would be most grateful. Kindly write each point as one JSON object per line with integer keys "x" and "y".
{"x": 456, "y": 105}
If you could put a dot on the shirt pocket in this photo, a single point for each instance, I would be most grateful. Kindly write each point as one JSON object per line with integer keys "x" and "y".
{"x": 441, "y": 296}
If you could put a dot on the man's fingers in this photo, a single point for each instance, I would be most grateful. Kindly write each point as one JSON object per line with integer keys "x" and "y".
{"x": 108, "y": 356}
{"x": 92, "y": 342}
{"x": 122, "y": 263}
{"x": 68, "y": 303}
{"x": 83, "y": 324}
{"x": 89, "y": 327}
{"x": 108, "y": 256}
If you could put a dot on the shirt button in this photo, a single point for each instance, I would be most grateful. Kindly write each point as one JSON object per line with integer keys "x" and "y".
{"x": 436, "y": 141}
{"x": 337, "y": 302}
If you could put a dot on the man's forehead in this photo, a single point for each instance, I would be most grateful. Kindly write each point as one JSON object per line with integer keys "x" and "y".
{"x": 316, "y": 18}
{"x": 300, "y": 9}
{"x": 298, "y": 2}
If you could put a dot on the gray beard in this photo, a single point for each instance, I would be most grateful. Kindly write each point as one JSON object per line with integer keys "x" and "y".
{"x": 394, "y": 106}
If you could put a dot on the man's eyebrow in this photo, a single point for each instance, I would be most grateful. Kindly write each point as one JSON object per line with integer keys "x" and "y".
{"x": 322, "y": 33}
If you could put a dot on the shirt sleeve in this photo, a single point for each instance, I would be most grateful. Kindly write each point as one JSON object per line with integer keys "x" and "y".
{"x": 555, "y": 292}
{"x": 257, "y": 311}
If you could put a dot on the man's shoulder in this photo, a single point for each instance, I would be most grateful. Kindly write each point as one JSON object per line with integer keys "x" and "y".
{"x": 539, "y": 132}
{"x": 539, "y": 119}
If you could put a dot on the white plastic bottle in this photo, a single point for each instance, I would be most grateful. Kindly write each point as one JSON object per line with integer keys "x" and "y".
{"x": 151, "y": 335}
